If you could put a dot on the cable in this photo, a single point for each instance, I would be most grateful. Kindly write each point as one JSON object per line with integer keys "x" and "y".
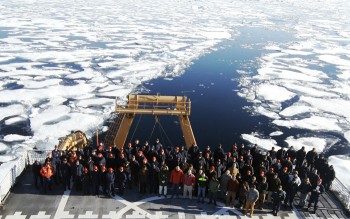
{"x": 137, "y": 125}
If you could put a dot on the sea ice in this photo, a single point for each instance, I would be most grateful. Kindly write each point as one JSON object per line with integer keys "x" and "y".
{"x": 15, "y": 137}
{"x": 315, "y": 123}
{"x": 276, "y": 133}
{"x": 266, "y": 144}
{"x": 308, "y": 143}
{"x": 341, "y": 165}
{"x": 273, "y": 93}
{"x": 11, "y": 110}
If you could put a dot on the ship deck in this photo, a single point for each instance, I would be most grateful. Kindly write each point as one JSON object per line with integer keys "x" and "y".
{"x": 26, "y": 202}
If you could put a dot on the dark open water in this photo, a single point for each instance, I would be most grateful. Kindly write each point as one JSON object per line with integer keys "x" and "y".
{"x": 218, "y": 114}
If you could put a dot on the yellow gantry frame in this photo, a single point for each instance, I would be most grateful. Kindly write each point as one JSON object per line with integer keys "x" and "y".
{"x": 155, "y": 105}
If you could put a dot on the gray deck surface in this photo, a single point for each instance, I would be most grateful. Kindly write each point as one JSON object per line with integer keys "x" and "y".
{"x": 26, "y": 202}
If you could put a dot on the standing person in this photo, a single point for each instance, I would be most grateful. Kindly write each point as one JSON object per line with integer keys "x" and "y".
{"x": 232, "y": 189}
{"x": 277, "y": 197}
{"x": 243, "y": 190}
{"x": 304, "y": 188}
{"x": 329, "y": 177}
{"x": 134, "y": 168}
{"x": 316, "y": 191}
{"x": 189, "y": 181}
{"x": 176, "y": 180}
{"x": 153, "y": 178}
{"x": 36, "y": 174}
{"x": 292, "y": 188}
{"x": 163, "y": 178}
{"x": 86, "y": 181}
{"x": 121, "y": 180}
{"x": 47, "y": 173}
{"x": 202, "y": 180}
{"x": 110, "y": 179}
{"x": 223, "y": 183}
{"x": 274, "y": 184}
{"x": 252, "y": 197}
{"x": 214, "y": 186}
{"x": 103, "y": 179}
{"x": 262, "y": 188}
{"x": 65, "y": 173}
{"x": 143, "y": 179}
{"x": 78, "y": 170}
{"x": 95, "y": 181}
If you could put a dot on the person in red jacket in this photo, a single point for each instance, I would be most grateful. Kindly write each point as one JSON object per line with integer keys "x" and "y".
{"x": 189, "y": 181}
{"x": 176, "y": 180}
{"x": 47, "y": 172}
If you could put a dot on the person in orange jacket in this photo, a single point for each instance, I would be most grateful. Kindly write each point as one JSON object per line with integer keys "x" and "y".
{"x": 47, "y": 171}
{"x": 176, "y": 179}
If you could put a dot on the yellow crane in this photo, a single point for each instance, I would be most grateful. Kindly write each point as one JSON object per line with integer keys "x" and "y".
{"x": 156, "y": 105}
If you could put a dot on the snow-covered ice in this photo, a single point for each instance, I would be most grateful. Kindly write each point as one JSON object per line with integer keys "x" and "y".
{"x": 341, "y": 165}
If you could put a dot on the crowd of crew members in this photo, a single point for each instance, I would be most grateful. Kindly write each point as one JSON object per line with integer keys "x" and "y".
{"x": 244, "y": 177}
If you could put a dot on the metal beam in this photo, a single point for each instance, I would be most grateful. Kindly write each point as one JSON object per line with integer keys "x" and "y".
{"x": 152, "y": 111}
{"x": 123, "y": 130}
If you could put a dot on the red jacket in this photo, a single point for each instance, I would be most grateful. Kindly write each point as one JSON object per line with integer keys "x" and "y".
{"x": 189, "y": 180}
{"x": 176, "y": 176}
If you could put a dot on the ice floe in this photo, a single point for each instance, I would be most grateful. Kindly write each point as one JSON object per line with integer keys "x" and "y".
{"x": 308, "y": 143}
{"x": 273, "y": 93}
{"x": 276, "y": 133}
{"x": 315, "y": 123}
{"x": 266, "y": 144}
{"x": 15, "y": 137}
{"x": 11, "y": 110}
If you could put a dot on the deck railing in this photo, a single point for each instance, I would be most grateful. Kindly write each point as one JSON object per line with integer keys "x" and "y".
{"x": 10, "y": 177}
{"x": 341, "y": 192}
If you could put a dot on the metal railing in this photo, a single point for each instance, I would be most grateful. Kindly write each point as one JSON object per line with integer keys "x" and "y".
{"x": 10, "y": 177}
{"x": 341, "y": 192}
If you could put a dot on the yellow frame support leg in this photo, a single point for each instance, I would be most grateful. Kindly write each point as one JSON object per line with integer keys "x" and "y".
{"x": 123, "y": 130}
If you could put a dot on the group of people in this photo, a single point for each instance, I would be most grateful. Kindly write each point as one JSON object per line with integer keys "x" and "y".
{"x": 244, "y": 177}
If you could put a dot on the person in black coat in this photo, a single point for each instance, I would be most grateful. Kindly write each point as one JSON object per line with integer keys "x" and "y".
{"x": 36, "y": 174}
{"x": 77, "y": 171}
{"x": 329, "y": 177}
{"x": 103, "y": 179}
{"x": 300, "y": 157}
{"x": 311, "y": 157}
{"x": 121, "y": 180}
{"x": 86, "y": 181}
{"x": 95, "y": 181}
{"x": 316, "y": 191}
{"x": 110, "y": 180}
{"x": 65, "y": 172}
{"x": 277, "y": 197}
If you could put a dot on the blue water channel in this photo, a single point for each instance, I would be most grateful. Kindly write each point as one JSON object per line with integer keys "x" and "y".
{"x": 218, "y": 114}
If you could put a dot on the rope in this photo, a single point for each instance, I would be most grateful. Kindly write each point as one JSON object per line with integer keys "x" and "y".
{"x": 155, "y": 123}
{"x": 171, "y": 143}
{"x": 137, "y": 125}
